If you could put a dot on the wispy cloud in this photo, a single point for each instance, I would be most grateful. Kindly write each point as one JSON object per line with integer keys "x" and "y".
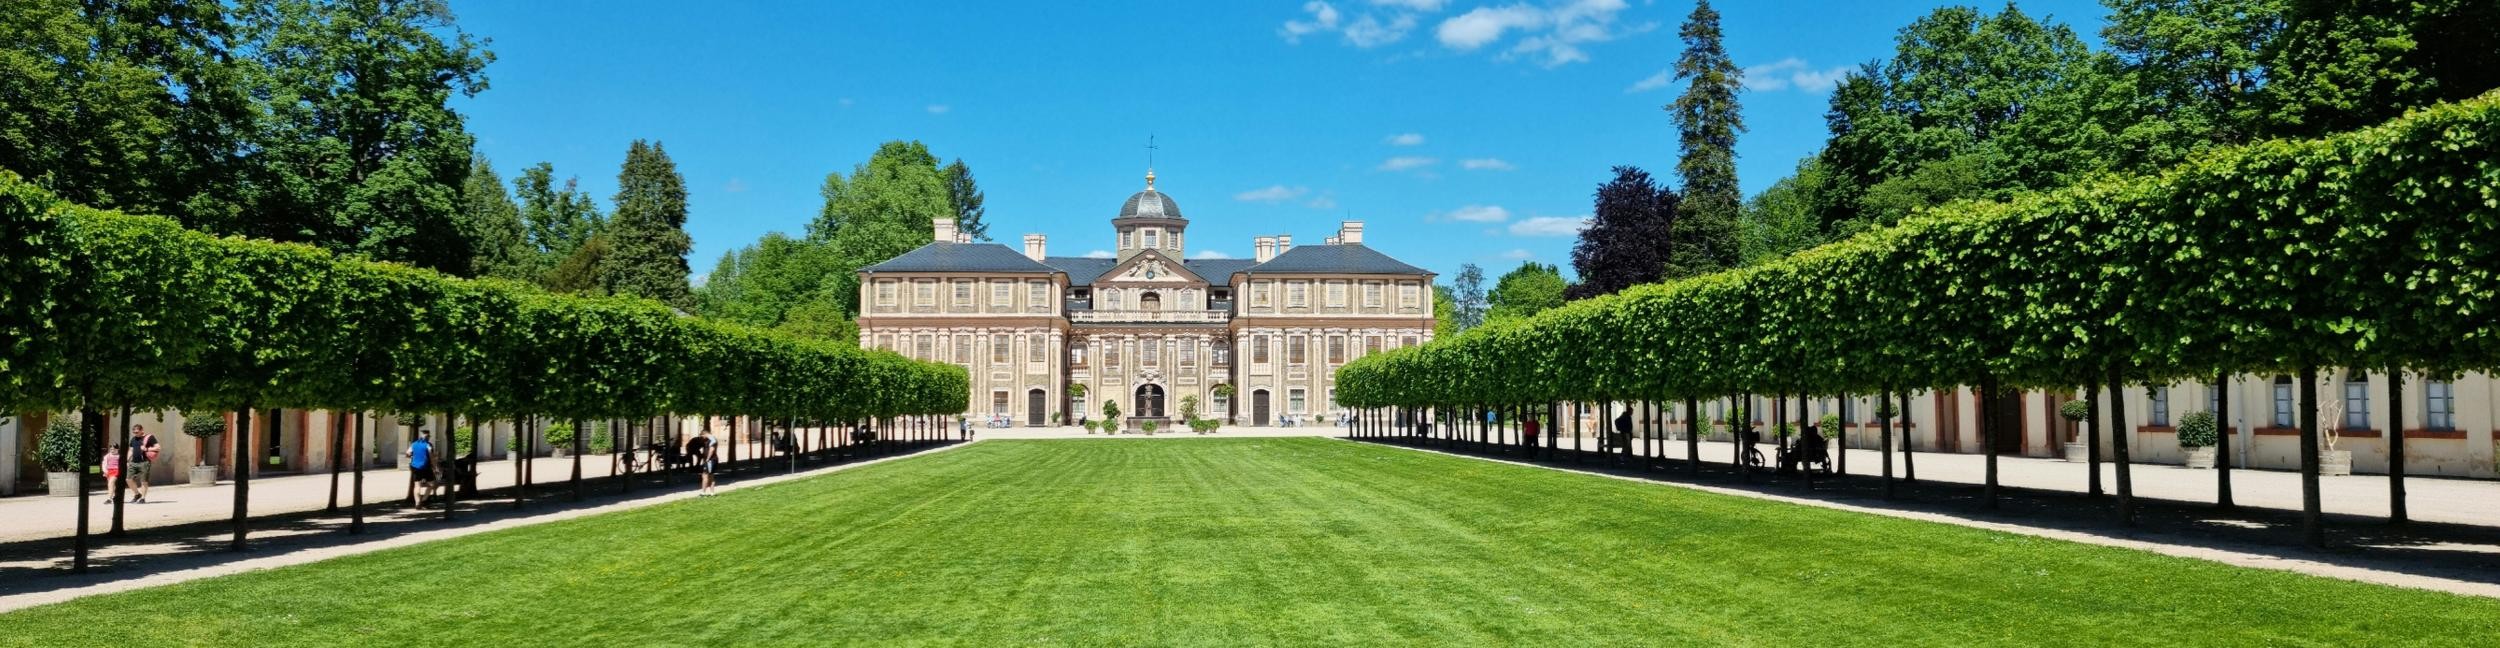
{"x": 1271, "y": 194}
{"x": 1322, "y": 201}
{"x": 1485, "y": 164}
{"x": 1407, "y": 163}
{"x": 1406, "y": 139}
{"x": 939, "y": 109}
{"x": 1554, "y": 35}
{"x": 1479, "y": 214}
{"x": 1792, "y": 72}
{"x": 1655, "y": 81}
{"x": 1550, "y": 226}
{"x": 1364, "y": 30}
{"x": 1518, "y": 254}
{"x": 1210, "y": 254}
{"x": 1099, "y": 254}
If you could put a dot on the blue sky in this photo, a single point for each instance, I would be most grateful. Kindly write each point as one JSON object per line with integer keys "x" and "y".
{"x": 1458, "y": 131}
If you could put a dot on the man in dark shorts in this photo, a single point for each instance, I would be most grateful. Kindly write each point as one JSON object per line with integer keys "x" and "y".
{"x": 143, "y": 450}
{"x": 421, "y": 467}
{"x": 699, "y": 451}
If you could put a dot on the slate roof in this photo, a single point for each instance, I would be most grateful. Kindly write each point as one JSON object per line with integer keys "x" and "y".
{"x": 1150, "y": 204}
{"x": 1333, "y": 259}
{"x": 1082, "y": 270}
{"x": 1218, "y": 270}
{"x": 960, "y": 257}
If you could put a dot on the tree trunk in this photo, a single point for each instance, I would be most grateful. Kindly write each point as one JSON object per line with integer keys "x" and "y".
{"x": 338, "y": 448}
{"x": 119, "y": 485}
{"x": 1909, "y": 451}
{"x": 2395, "y": 446}
{"x": 1883, "y": 425}
{"x": 356, "y": 498}
{"x": 2092, "y": 439}
{"x": 242, "y": 473}
{"x": 1989, "y": 428}
{"x": 2222, "y": 441}
{"x": 1693, "y": 428}
{"x": 2118, "y": 447}
{"x": 2312, "y": 515}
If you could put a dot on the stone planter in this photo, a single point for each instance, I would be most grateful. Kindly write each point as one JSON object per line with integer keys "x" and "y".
{"x": 2200, "y": 457}
{"x": 60, "y": 484}
{"x": 203, "y": 475}
{"x": 2078, "y": 453}
{"x": 2335, "y": 462}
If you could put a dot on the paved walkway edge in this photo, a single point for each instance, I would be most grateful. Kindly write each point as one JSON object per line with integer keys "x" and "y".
{"x": 2224, "y": 556}
{"x": 304, "y": 556}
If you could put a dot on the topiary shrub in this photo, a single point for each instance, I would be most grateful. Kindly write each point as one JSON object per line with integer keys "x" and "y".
{"x": 2198, "y": 430}
{"x": 601, "y": 444}
{"x": 1831, "y": 424}
{"x": 2075, "y": 411}
{"x": 58, "y": 450}
{"x": 559, "y": 435}
{"x": 1148, "y": 427}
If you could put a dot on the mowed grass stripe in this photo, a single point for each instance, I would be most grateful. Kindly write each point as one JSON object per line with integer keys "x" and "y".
{"x": 1251, "y": 541}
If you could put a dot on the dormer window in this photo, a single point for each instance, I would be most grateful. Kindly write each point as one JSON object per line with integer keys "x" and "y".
{"x": 1152, "y": 237}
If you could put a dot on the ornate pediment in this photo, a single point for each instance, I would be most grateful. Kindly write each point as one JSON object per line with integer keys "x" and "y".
{"x": 1150, "y": 267}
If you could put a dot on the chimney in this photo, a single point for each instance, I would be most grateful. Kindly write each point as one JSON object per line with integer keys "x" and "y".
{"x": 1266, "y": 246}
{"x": 1350, "y": 233}
{"x": 1033, "y": 247}
{"x": 945, "y": 229}
{"x": 963, "y": 236}
{"x": 1330, "y": 240}
{"x": 1284, "y": 243}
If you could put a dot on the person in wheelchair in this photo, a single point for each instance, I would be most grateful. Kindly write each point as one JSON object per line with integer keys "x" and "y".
{"x": 1811, "y": 450}
{"x": 1747, "y": 441}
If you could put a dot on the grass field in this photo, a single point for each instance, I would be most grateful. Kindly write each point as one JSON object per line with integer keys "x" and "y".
{"x": 1256, "y": 541}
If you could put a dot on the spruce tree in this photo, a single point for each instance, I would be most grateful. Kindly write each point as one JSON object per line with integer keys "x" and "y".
{"x": 647, "y": 235}
{"x": 1706, "y": 123}
{"x": 965, "y": 196}
{"x": 492, "y": 223}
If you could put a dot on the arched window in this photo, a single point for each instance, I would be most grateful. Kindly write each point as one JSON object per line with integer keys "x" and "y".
{"x": 1111, "y": 299}
{"x": 1150, "y": 301}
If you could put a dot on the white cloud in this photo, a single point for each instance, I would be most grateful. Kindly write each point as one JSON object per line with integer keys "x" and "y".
{"x": 1406, "y": 139}
{"x": 1792, "y": 72}
{"x": 1479, "y": 214}
{"x": 1210, "y": 254}
{"x": 1485, "y": 164}
{"x": 1552, "y": 35}
{"x": 1366, "y": 30}
{"x": 939, "y": 109}
{"x": 1519, "y": 254}
{"x": 1099, "y": 254}
{"x": 1323, "y": 201}
{"x": 1407, "y": 163}
{"x": 1550, "y": 226}
{"x": 1655, "y": 81}
{"x": 1271, "y": 194}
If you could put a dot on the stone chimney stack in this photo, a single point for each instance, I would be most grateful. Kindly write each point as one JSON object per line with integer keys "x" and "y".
{"x": 1284, "y": 243}
{"x": 1265, "y": 246}
{"x": 1034, "y": 247}
{"x": 945, "y": 229}
{"x": 1350, "y": 233}
{"x": 1329, "y": 241}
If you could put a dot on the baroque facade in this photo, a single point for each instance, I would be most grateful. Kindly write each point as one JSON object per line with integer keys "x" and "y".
{"x": 1052, "y": 338}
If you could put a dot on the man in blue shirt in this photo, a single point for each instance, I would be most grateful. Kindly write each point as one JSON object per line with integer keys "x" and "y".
{"x": 421, "y": 467}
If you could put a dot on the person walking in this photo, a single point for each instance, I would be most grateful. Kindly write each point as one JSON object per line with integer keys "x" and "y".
{"x": 421, "y": 466}
{"x": 700, "y": 451}
{"x": 113, "y": 465}
{"x": 143, "y": 450}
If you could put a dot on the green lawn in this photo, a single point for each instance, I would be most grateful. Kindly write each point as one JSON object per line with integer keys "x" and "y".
{"x": 1250, "y": 541}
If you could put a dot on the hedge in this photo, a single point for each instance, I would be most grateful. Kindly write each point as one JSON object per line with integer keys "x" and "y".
{"x": 103, "y": 308}
{"x": 2375, "y": 248}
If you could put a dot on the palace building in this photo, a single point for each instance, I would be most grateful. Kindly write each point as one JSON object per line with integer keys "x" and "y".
{"x": 1146, "y": 326}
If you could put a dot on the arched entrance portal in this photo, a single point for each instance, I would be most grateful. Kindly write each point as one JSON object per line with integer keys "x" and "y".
{"x": 1149, "y": 402}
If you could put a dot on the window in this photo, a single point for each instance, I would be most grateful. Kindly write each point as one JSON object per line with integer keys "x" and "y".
{"x": 1371, "y": 294}
{"x": 1297, "y": 294}
{"x": 885, "y": 342}
{"x": 1371, "y": 345}
{"x": 1336, "y": 349}
{"x": 1409, "y": 295}
{"x": 1111, "y": 354}
{"x": 1150, "y": 301}
{"x": 1034, "y": 349}
{"x": 1152, "y": 353}
{"x": 2439, "y": 405}
{"x": 924, "y": 351}
{"x": 1293, "y": 350}
{"x": 1039, "y": 296}
{"x": 2157, "y": 405}
{"x": 963, "y": 348}
{"x": 1076, "y": 353}
{"x": 1221, "y": 353}
{"x": 1295, "y": 401}
{"x": 1111, "y": 299}
{"x": 2213, "y": 403}
{"x": 1258, "y": 349}
{"x": 1407, "y": 341}
{"x": 2283, "y": 401}
{"x": 1152, "y": 239}
{"x": 885, "y": 293}
{"x": 963, "y": 294}
{"x": 1001, "y": 296}
{"x": 1336, "y": 294}
{"x": 1189, "y": 354}
{"x": 2356, "y": 401}
{"x": 1258, "y": 294}
{"x": 924, "y": 293}
{"x": 999, "y": 348}
{"x": 1124, "y": 239}
{"x": 1189, "y": 299}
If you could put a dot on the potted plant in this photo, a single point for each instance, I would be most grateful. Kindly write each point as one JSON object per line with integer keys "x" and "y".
{"x": 2197, "y": 433}
{"x": 1224, "y": 391}
{"x": 1148, "y": 426}
{"x": 1076, "y": 392}
{"x": 58, "y": 452}
{"x": 205, "y": 427}
{"x": 2075, "y": 411}
{"x": 559, "y": 438}
{"x": 1111, "y": 417}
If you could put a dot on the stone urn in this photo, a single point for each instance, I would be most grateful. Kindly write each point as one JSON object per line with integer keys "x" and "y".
{"x": 203, "y": 475}
{"x": 2202, "y": 458}
{"x": 2077, "y": 452}
{"x": 2335, "y": 462}
{"x": 60, "y": 484}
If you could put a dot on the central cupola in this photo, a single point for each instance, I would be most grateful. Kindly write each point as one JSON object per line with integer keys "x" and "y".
{"x": 1150, "y": 221}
